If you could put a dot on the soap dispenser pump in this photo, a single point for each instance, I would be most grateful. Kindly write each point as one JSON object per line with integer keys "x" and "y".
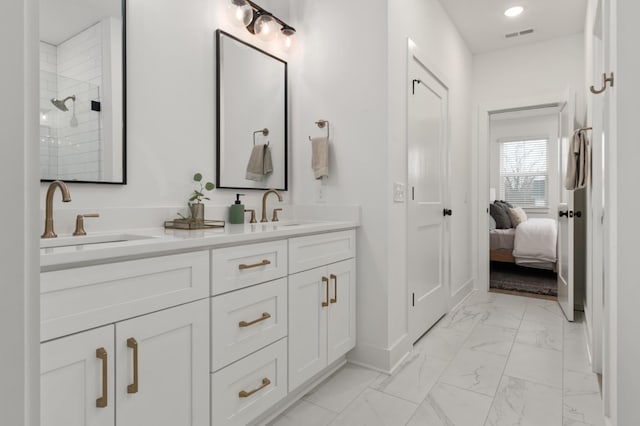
{"x": 236, "y": 211}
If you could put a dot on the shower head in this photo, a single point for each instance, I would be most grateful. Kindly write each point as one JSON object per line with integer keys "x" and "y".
{"x": 60, "y": 103}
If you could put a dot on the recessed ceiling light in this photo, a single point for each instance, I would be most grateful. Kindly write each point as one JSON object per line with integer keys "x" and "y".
{"x": 512, "y": 12}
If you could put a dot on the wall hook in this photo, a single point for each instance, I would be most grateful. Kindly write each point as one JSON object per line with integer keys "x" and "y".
{"x": 321, "y": 124}
{"x": 605, "y": 80}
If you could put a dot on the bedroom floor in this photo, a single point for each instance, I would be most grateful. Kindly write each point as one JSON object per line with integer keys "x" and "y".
{"x": 509, "y": 276}
{"x": 496, "y": 360}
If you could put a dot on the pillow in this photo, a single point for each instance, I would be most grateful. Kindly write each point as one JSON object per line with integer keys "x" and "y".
{"x": 492, "y": 223}
{"x": 504, "y": 204}
{"x": 500, "y": 215}
{"x": 517, "y": 216}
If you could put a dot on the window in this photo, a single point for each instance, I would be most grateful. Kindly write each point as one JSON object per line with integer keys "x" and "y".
{"x": 524, "y": 177}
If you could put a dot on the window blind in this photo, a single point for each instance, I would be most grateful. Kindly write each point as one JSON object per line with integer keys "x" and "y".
{"x": 524, "y": 177}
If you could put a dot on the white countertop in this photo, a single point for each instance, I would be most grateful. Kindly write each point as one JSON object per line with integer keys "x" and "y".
{"x": 166, "y": 241}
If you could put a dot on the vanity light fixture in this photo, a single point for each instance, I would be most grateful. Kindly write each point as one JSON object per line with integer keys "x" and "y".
{"x": 512, "y": 12}
{"x": 260, "y": 22}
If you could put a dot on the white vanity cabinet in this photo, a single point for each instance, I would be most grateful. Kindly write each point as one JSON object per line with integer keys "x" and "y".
{"x": 248, "y": 331}
{"x": 146, "y": 363}
{"x": 322, "y": 303}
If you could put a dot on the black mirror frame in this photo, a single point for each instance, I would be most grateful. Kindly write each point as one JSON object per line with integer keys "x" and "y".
{"x": 219, "y": 33}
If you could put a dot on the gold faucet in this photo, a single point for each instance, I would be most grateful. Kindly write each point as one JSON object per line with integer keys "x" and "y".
{"x": 48, "y": 217}
{"x": 264, "y": 203}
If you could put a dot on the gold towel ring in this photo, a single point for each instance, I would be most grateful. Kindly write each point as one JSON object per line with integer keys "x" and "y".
{"x": 321, "y": 124}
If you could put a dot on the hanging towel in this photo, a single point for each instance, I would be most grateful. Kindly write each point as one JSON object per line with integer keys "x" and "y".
{"x": 578, "y": 161}
{"x": 260, "y": 164}
{"x": 320, "y": 157}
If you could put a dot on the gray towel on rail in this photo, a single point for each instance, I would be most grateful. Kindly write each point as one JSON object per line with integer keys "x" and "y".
{"x": 320, "y": 157}
{"x": 578, "y": 161}
{"x": 260, "y": 164}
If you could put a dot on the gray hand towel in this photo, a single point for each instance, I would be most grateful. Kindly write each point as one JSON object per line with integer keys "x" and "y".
{"x": 260, "y": 163}
{"x": 578, "y": 162}
{"x": 320, "y": 157}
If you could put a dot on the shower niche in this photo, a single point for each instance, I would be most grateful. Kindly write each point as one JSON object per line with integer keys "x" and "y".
{"x": 82, "y": 91}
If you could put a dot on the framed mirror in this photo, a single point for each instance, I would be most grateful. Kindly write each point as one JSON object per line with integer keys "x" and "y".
{"x": 251, "y": 116}
{"x": 83, "y": 91}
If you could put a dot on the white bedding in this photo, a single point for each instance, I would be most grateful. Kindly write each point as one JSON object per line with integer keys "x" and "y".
{"x": 535, "y": 243}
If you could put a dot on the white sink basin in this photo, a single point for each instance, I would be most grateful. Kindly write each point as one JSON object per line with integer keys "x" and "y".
{"x": 89, "y": 239}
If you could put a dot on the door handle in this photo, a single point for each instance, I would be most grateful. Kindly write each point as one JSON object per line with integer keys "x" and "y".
{"x": 570, "y": 213}
{"x": 447, "y": 212}
{"x": 561, "y": 213}
{"x": 101, "y": 353}
{"x": 133, "y": 344}
{"x": 578, "y": 214}
{"x": 246, "y": 394}
{"x": 325, "y": 281}
{"x": 335, "y": 288}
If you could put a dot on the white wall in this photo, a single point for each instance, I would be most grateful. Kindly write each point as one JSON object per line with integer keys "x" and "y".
{"x": 339, "y": 74}
{"x": 171, "y": 105}
{"x": 19, "y": 289}
{"x": 623, "y": 209}
{"x": 547, "y": 68}
{"x": 358, "y": 81}
{"x": 428, "y": 25}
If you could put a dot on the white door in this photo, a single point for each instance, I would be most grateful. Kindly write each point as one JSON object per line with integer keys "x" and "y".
{"x": 565, "y": 216}
{"x": 76, "y": 380}
{"x": 341, "y": 330}
{"x": 163, "y": 368}
{"x": 309, "y": 302}
{"x": 427, "y": 168}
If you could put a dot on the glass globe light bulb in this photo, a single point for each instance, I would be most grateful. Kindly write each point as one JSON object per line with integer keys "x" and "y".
{"x": 286, "y": 37}
{"x": 265, "y": 27}
{"x": 240, "y": 13}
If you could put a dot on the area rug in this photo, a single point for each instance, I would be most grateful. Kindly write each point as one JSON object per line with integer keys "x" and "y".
{"x": 509, "y": 276}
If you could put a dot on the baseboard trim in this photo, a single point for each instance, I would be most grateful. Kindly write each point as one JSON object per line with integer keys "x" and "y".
{"x": 461, "y": 294}
{"x": 298, "y": 394}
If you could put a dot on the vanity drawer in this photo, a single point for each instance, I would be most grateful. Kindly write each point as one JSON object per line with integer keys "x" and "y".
{"x": 246, "y": 320}
{"x": 77, "y": 299}
{"x": 316, "y": 250}
{"x": 237, "y": 267}
{"x": 261, "y": 379}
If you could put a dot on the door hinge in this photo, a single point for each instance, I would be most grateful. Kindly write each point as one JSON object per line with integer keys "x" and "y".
{"x": 413, "y": 299}
{"x": 413, "y": 193}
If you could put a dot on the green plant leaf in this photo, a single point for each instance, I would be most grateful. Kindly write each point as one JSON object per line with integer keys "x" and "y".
{"x": 209, "y": 186}
{"x": 197, "y": 177}
{"x": 206, "y": 198}
{"x": 193, "y": 198}
{"x": 198, "y": 193}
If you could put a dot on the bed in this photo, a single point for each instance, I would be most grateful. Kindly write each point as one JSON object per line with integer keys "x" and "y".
{"x": 532, "y": 243}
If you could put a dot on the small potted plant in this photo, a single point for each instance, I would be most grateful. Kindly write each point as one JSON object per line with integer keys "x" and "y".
{"x": 195, "y": 200}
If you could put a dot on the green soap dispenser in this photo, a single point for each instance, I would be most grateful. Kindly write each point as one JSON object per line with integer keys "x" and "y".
{"x": 236, "y": 211}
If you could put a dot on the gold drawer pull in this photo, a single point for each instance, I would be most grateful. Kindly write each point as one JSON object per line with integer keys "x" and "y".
{"x": 132, "y": 344}
{"x": 265, "y": 262}
{"x": 335, "y": 288}
{"x": 101, "y": 353}
{"x": 325, "y": 281}
{"x": 244, "y": 394}
{"x": 265, "y": 316}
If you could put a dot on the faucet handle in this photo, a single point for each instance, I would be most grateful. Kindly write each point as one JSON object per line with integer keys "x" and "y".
{"x": 253, "y": 215}
{"x": 275, "y": 215}
{"x": 80, "y": 223}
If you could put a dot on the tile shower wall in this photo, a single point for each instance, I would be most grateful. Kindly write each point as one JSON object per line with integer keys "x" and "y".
{"x": 72, "y": 146}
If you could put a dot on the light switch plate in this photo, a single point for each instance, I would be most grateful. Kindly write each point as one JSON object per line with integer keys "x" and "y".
{"x": 398, "y": 192}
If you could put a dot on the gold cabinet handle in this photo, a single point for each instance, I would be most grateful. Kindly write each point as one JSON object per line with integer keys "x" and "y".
{"x": 132, "y": 344}
{"x": 325, "y": 280}
{"x": 265, "y": 262}
{"x": 101, "y": 353}
{"x": 335, "y": 288}
{"x": 244, "y": 394}
{"x": 265, "y": 316}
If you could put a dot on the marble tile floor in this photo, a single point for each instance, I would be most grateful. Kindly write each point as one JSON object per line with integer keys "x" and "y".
{"x": 497, "y": 360}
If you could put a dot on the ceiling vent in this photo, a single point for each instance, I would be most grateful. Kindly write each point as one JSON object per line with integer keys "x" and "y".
{"x": 519, "y": 33}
